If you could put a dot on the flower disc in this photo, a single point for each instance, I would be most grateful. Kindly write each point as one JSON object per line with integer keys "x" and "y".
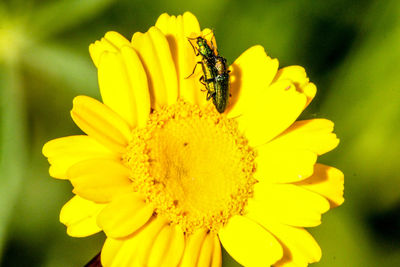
{"x": 193, "y": 165}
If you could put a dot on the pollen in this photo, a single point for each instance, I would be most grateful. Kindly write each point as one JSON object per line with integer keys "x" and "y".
{"x": 193, "y": 165}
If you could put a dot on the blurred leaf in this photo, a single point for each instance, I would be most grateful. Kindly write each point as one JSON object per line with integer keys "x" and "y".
{"x": 343, "y": 240}
{"x": 242, "y": 24}
{"x": 74, "y": 72}
{"x": 364, "y": 103}
{"x": 85, "y": 249}
{"x": 227, "y": 260}
{"x": 367, "y": 119}
{"x": 57, "y": 16}
{"x": 13, "y": 143}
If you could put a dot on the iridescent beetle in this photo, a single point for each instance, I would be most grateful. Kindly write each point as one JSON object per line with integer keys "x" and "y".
{"x": 221, "y": 96}
{"x": 215, "y": 74}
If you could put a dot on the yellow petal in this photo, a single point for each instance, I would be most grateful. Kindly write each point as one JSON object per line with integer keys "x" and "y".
{"x": 217, "y": 256}
{"x": 99, "y": 180}
{"x": 123, "y": 85}
{"x": 133, "y": 250}
{"x": 154, "y": 52}
{"x": 314, "y": 135}
{"x": 298, "y": 76}
{"x": 192, "y": 248}
{"x": 171, "y": 24}
{"x": 249, "y": 243}
{"x": 309, "y": 90}
{"x": 111, "y": 42}
{"x": 202, "y": 249}
{"x": 168, "y": 247}
{"x": 112, "y": 248}
{"x": 120, "y": 252}
{"x": 124, "y": 215}
{"x": 210, "y": 254}
{"x": 250, "y": 75}
{"x": 271, "y": 112}
{"x": 326, "y": 181}
{"x": 177, "y": 31}
{"x": 288, "y": 204}
{"x": 64, "y": 152}
{"x": 299, "y": 247}
{"x": 209, "y": 35}
{"x": 281, "y": 164}
{"x": 165, "y": 22}
{"x": 207, "y": 249}
{"x": 148, "y": 238}
{"x": 138, "y": 80}
{"x": 101, "y": 123}
{"x": 79, "y": 215}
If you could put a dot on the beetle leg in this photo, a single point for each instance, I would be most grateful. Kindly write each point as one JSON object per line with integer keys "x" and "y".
{"x": 212, "y": 43}
{"x": 201, "y": 80}
{"x": 195, "y": 66}
{"x": 196, "y": 51}
{"x": 209, "y": 95}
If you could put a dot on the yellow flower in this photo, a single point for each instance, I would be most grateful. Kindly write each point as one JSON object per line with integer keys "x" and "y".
{"x": 168, "y": 178}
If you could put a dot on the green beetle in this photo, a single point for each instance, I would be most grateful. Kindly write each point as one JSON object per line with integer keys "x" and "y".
{"x": 215, "y": 74}
{"x": 221, "y": 96}
{"x": 203, "y": 48}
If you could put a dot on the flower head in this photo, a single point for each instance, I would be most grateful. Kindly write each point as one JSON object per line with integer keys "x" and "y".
{"x": 168, "y": 178}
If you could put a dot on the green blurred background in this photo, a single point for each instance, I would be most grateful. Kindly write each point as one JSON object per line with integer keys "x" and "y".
{"x": 350, "y": 49}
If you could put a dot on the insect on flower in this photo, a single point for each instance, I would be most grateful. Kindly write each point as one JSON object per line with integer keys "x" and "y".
{"x": 247, "y": 179}
{"x": 215, "y": 76}
{"x": 220, "y": 98}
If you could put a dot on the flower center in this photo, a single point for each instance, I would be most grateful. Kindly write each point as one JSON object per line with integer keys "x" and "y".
{"x": 193, "y": 165}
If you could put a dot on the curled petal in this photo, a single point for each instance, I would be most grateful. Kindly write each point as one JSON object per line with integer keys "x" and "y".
{"x": 299, "y": 247}
{"x": 326, "y": 181}
{"x": 101, "y": 123}
{"x": 298, "y": 76}
{"x": 79, "y": 215}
